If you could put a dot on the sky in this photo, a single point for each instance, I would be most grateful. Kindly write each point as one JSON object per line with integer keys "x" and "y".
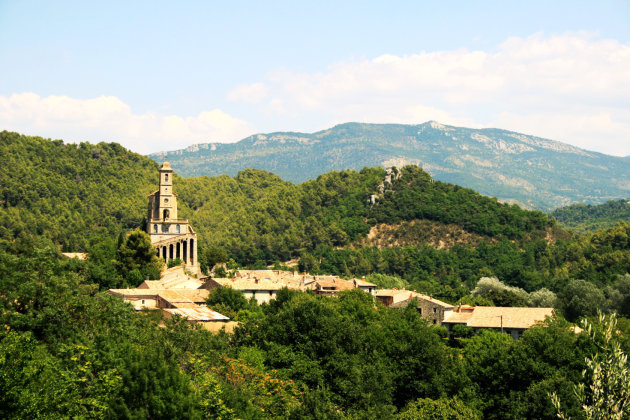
{"x": 162, "y": 75}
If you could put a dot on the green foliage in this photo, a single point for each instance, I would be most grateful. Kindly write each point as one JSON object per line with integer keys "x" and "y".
{"x": 69, "y": 192}
{"x": 211, "y": 256}
{"x": 579, "y": 299}
{"x": 137, "y": 259}
{"x": 606, "y": 395}
{"x": 228, "y": 301}
{"x": 442, "y": 409}
{"x": 67, "y": 350}
{"x": 583, "y": 218}
{"x": 384, "y": 281}
{"x": 174, "y": 262}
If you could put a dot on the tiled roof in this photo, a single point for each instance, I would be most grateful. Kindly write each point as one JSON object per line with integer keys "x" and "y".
{"x": 403, "y": 296}
{"x": 198, "y": 313}
{"x": 497, "y": 317}
{"x": 453, "y": 317}
{"x": 336, "y": 284}
{"x": 134, "y": 292}
{"x": 249, "y": 284}
{"x": 363, "y": 283}
{"x": 182, "y": 295}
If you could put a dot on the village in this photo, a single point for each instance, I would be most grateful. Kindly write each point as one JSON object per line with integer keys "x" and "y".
{"x": 183, "y": 290}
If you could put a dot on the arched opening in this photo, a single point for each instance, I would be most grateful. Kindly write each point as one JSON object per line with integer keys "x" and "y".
{"x": 165, "y": 177}
{"x": 165, "y": 214}
{"x": 170, "y": 253}
{"x": 155, "y": 229}
{"x": 192, "y": 251}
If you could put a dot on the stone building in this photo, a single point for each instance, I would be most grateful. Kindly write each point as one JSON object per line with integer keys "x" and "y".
{"x": 511, "y": 320}
{"x": 431, "y": 309}
{"x": 173, "y": 237}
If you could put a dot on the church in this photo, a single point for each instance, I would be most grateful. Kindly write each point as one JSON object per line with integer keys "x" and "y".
{"x": 172, "y": 237}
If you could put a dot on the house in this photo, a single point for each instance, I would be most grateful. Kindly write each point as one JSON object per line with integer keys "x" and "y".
{"x": 175, "y": 294}
{"x": 263, "y": 285}
{"x": 511, "y": 320}
{"x": 332, "y": 286}
{"x": 366, "y": 286}
{"x": 432, "y": 309}
{"x": 263, "y": 290}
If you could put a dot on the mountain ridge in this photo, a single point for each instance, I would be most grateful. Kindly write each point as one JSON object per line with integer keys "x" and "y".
{"x": 531, "y": 171}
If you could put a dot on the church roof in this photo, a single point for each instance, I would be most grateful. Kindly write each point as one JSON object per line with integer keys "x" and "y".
{"x": 166, "y": 166}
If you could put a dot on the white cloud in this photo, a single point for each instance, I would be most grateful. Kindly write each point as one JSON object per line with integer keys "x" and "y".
{"x": 107, "y": 118}
{"x": 572, "y": 87}
{"x": 249, "y": 94}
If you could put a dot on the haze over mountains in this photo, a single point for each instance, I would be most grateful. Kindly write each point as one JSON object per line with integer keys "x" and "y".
{"x": 514, "y": 167}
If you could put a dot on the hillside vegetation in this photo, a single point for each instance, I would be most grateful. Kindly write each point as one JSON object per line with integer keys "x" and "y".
{"x": 69, "y": 351}
{"x": 517, "y": 168}
{"x": 583, "y": 218}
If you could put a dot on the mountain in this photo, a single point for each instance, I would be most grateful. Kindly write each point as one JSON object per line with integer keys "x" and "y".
{"x": 530, "y": 171}
{"x": 584, "y": 218}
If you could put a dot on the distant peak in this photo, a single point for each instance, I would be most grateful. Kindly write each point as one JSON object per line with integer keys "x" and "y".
{"x": 436, "y": 125}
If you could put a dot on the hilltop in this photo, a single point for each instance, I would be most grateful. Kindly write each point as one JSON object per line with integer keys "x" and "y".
{"x": 517, "y": 168}
{"x": 589, "y": 218}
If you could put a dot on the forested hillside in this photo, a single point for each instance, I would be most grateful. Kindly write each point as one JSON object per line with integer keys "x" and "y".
{"x": 68, "y": 192}
{"x": 69, "y": 351}
{"x": 589, "y": 218}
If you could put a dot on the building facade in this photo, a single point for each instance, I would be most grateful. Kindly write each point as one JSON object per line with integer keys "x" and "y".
{"x": 173, "y": 237}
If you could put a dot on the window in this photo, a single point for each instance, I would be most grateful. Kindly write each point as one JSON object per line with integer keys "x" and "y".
{"x": 164, "y": 228}
{"x": 143, "y": 301}
{"x": 154, "y": 228}
{"x": 165, "y": 177}
{"x": 435, "y": 310}
{"x": 177, "y": 229}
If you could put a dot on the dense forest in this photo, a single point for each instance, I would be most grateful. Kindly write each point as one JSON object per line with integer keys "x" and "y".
{"x": 584, "y": 218}
{"x": 68, "y": 349}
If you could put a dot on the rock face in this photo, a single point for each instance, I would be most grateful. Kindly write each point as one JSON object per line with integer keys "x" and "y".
{"x": 516, "y": 168}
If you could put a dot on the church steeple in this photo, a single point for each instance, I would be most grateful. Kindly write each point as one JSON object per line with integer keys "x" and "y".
{"x": 167, "y": 207}
{"x": 173, "y": 237}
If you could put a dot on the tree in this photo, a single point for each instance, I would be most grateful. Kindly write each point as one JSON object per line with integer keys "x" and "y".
{"x": 442, "y": 409}
{"x": 227, "y": 301}
{"x": 606, "y": 394}
{"x": 137, "y": 255}
{"x": 580, "y": 298}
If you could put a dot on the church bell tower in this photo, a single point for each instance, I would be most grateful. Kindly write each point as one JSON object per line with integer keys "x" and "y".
{"x": 173, "y": 237}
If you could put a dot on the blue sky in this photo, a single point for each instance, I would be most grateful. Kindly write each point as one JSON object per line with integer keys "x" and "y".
{"x": 163, "y": 75}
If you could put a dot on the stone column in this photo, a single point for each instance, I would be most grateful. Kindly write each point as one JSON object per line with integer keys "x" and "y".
{"x": 195, "y": 263}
